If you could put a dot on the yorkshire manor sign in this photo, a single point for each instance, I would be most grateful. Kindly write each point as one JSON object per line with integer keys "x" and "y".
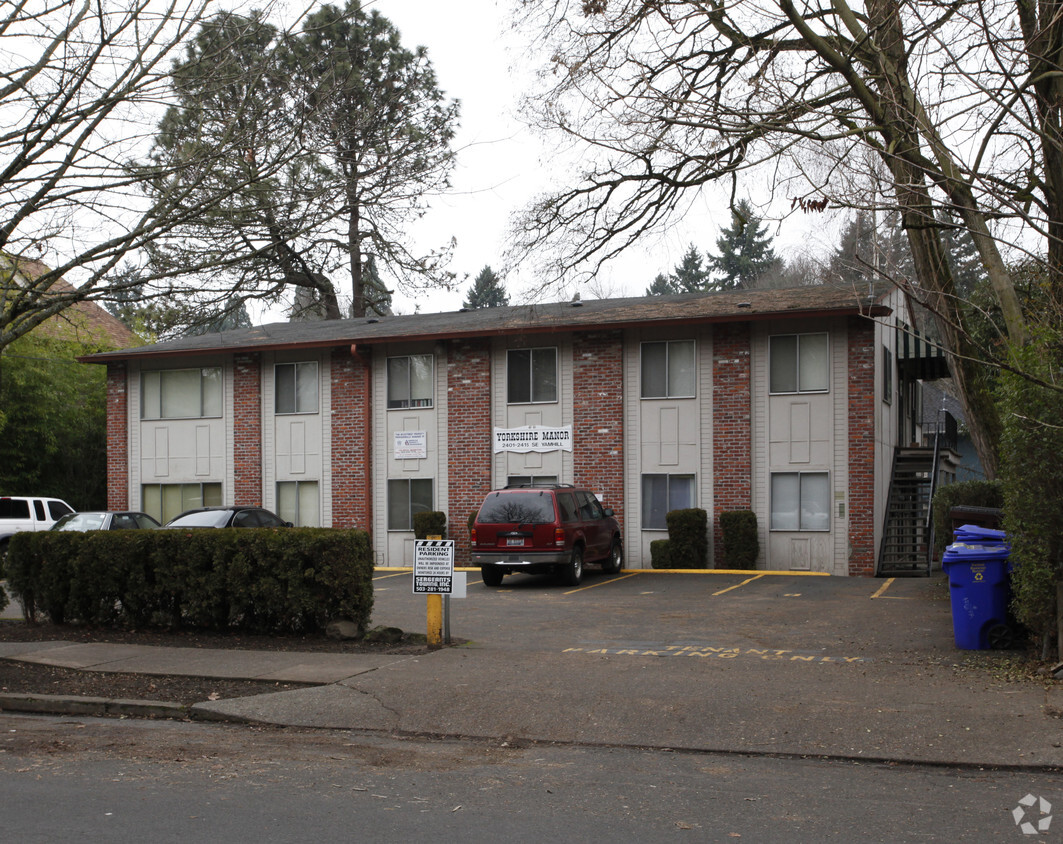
{"x": 534, "y": 438}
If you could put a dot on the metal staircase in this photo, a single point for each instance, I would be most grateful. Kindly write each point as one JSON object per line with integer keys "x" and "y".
{"x": 907, "y": 540}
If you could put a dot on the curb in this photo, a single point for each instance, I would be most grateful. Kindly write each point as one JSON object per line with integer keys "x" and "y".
{"x": 98, "y": 706}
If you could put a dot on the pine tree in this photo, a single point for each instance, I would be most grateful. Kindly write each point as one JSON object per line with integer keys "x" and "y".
{"x": 486, "y": 291}
{"x": 689, "y": 275}
{"x": 662, "y": 286}
{"x": 745, "y": 251}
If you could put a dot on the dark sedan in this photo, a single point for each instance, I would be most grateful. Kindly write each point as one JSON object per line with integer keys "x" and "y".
{"x": 223, "y": 517}
{"x": 106, "y": 520}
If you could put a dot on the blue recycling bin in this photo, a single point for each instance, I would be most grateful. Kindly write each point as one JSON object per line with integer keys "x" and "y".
{"x": 978, "y": 569}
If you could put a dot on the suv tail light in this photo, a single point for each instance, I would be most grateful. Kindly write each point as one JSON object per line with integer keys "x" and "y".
{"x": 559, "y": 537}
{"x": 472, "y": 536}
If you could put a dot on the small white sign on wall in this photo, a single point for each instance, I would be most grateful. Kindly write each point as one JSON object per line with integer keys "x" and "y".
{"x": 411, "y": 445}
{"x": 534, "y": 438}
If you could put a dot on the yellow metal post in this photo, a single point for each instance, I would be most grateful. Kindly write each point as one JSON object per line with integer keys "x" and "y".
{"x": 435, "y": 621}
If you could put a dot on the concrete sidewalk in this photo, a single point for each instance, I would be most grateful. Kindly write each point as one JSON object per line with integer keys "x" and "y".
{"x": 752, "y": 665}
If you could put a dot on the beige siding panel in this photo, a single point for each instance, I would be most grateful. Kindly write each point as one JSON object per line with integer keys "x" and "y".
{"x": 202, "y": 454}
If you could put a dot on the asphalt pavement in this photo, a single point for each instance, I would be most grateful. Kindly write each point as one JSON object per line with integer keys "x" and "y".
{"x": 749, "y": 663}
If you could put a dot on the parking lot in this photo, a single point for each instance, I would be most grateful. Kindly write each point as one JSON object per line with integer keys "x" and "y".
{"x": 696, "y": 615}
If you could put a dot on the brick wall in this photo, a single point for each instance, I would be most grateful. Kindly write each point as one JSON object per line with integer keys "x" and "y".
{"x": 598, "y": 414}
{"x": 247, "y": 429}
{"x": 352, "y": 491}
{"x": 468, "y": 437}
{"x": 731, "y": 420}
{"x": 861, "y": 334}
{"x": 117, "y": 437}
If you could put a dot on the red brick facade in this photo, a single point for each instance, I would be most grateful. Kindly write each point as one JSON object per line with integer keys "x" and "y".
{"x": 352, "y": 491}
{"x": 861, "y": 334}
{"x": 732, "y": 456}
{"x": 468, "y": 436}
{"x": 598, "y": 415}
{"x": 247, "y": 430}
{"x": 117, "y": 437}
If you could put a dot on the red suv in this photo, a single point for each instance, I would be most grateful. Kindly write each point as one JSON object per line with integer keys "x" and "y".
{"x": 542, "y": 528}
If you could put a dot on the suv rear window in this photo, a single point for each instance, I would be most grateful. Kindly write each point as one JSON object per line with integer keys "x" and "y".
{"x": 528, "y": 508}
{"x": 13, "y": 508}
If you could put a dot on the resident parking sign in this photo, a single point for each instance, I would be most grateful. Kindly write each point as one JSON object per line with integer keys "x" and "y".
{"x": 433, "y": 567}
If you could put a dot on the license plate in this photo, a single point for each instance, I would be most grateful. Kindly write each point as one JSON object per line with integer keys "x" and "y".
{"x": 519, "y": 540}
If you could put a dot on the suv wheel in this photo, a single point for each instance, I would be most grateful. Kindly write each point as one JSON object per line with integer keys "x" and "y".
{"x": 615, "y": 560}
{"x": 491, "y": 576}
{"x": 574, "y": 570}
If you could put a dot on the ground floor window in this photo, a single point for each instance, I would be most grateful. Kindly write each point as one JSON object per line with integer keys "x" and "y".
{"x": 663, "y": 493}
{"x": 800, "y": 501}
{"x": 530, "y": 480}
{"x": 297, "y": 502}
{"x": 164, "y": 501}
{"x": 407, "y": 496}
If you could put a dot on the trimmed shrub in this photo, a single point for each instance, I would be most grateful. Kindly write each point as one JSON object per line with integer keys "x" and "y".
{"x": 741, "y": 545}
{"x": 661, "y": 554}
{"x": 430, "y": 523}
{"x": 688, "y": 533}
{"x": 962, "y": 494}
{"x": 259, "y": 581}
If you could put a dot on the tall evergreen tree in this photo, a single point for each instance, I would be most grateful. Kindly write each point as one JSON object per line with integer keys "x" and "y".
{"x": 745, "y": 250}
{"x": 486, "y": 291}
{"x": 690, "y": 276}
{"x": 662, "y": 286}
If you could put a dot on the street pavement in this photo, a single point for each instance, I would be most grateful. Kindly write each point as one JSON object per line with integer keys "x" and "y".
{"x": 749, "y": 663}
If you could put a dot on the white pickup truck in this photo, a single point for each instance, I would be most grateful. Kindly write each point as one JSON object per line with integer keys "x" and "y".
{"x": 21, "y": 513}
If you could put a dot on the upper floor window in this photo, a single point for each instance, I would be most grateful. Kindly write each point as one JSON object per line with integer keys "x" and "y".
{"x": 181, "y": 393}
{"x": 799, "y": 363}
{"x": 668, "y": 369}
{"x": 296, "y": 387}
{"x": 531, "y": 375}
{"x": 410, "y": 381}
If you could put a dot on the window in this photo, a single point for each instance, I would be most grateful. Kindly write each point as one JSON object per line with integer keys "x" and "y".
{"x": 663, "y": 493}
{"x": 799, "y": 363}
{"x": 531, "y": 375}
{"x": 164, "y": 501}
{"x": 181, "y": 393}
{"x": 530, "y": 480}
{"x": 410, "y": 381}
{"x": 887, "y": 375}
{"x": 57, "y": 509}
{"x": 800, "y": 501}
{"x": 668, "y": 369}
{"x": 296, "y": 387}
{"x": 297, "y": 502}
{"x": 406, "y": 497}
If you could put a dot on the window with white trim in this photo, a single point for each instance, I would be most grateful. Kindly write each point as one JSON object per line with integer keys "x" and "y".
{"x": 663, "y": 493}
{"x": 531, "y": 375}
{"x": 668, "y": 369}
{"x": 407, "y": 496}
{"x": 296, "y": 387}
{"x": 530, "y": 480}
{"x": 410, "y": 381}
{"x": 164, "y": 501}
{"x": 799, "y": 363}
{"x": 800, "y": 501}
{"x": 181, "y": 393}
{"x": 298, "y": 503}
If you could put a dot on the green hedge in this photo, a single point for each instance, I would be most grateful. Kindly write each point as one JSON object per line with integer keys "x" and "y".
{"x": 257, "y": 581}
{"x": 688, "y": 535}
{"x": 962, "y": 494}
{"x": 660, "y": 554}
{"x": 741, "y": 545}
{"x": 430, "y": 523}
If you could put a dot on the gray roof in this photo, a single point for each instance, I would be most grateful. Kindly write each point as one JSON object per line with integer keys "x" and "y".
{"x": 730, "y": 306}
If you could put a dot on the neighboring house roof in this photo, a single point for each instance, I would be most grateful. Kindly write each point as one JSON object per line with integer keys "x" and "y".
{"x": 82, "y": 321}
{"x": 731, "y": 306}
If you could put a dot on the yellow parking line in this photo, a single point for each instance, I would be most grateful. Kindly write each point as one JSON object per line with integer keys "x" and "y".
{"x": 737, "y": 585}
{"x": 396, "y": 574}
{"x": 601, "y": 583}
{"x": 883, "y": 587}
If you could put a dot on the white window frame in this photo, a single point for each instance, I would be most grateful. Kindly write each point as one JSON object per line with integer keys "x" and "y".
{"x": 409, "y": 482}
{"x": 669, "y": 476}
{"x": 664, "y": 379}
{"x": 803, "y": 526}
{"x": 799, "y": 340}
{"x": 297, "y": 517}
{"x": 188, "y": 503}
{"x": 210, "y": 405}
{"x": 303, "y": 373}
{"x": 531, "y": 375}
{"x": 409, "y": 401}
